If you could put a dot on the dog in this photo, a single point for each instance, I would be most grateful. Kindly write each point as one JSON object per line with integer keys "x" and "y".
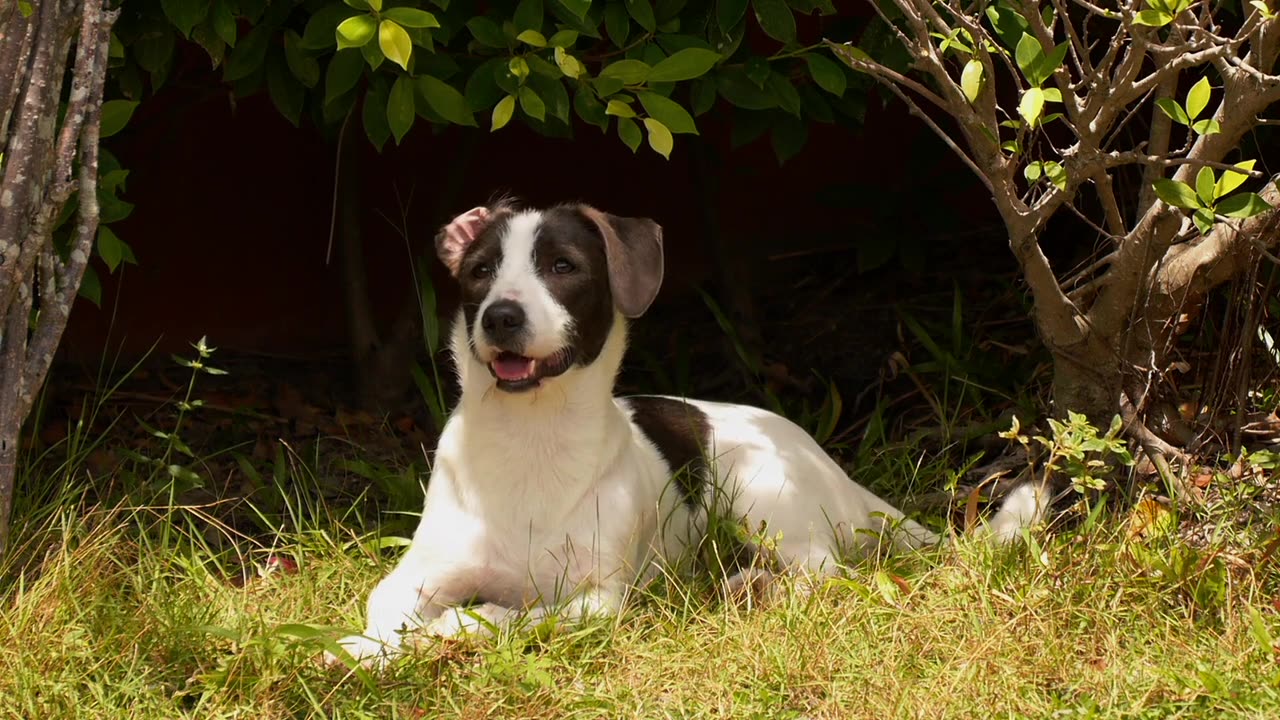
{"x": 550, "y": 497}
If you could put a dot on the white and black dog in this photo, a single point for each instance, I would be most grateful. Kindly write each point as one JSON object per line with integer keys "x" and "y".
{"x": 551, "y": 497}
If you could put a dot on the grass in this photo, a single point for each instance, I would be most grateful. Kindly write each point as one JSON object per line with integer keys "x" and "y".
{"x": 116, "y": 604}
{"x": 131, "y": 612}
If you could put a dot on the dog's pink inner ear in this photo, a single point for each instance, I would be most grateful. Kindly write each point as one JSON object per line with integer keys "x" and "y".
{"x": 454, "y": 239}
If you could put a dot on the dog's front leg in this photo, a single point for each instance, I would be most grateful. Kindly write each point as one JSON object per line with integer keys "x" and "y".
{"x": 484, "y": 620}
{"x": 415, "y": 592}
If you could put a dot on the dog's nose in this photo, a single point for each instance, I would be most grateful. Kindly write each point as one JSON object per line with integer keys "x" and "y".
{"x": 503, "y": 319}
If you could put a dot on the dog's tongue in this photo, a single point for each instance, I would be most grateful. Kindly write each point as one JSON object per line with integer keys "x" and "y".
{"x": 509, "y": 366}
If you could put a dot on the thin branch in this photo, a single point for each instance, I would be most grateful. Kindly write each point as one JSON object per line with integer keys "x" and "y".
{"x": 1158, "y": 143}
{"x": 86, "y": 104}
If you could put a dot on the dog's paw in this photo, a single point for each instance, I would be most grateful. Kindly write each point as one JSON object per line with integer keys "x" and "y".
{"x": 480, "y": 620}
{"x": 370, "y": 653}
{"x": 753, "y": 586}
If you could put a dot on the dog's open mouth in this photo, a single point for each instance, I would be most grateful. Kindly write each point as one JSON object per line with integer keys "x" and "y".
{"x": 517, "y": 372}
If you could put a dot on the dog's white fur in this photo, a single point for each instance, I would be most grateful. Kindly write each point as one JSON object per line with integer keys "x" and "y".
{"x": 552, "y": 502}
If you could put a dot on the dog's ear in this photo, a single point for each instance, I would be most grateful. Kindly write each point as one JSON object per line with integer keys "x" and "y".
{"x": 453, "y": 239}
{"x": 633, "y": 247}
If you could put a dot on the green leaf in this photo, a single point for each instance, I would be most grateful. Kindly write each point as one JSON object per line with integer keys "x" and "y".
{"x": 541, "y": 67}
{"x": 1205, "y": 186}
{"x": 630, "y": 72}
{"x": 303, "y": 66}
{"x": 1204, "y": 220}
{"x": 115, "y": 115}
{"x": 248, "y": 55}
{"x": 668, "y": 112}
{"x": 1056, "y": 174}
{"x": 568, "y": 64}
{"x": 1175, "y": 193}
{"x": 395, "y": 43}
{"x": 684, "y": 65}
{"x": 110, "y": 247}
{"x": 1170, "y": 107}
{"x": 775, "y": 19}
{"x": 1198, "y": 98}
{"x": 1242, "y": 206}
{"x": 355, "y": 31}
{"x": 1153, "y": 18}
{"x": 704, "y": 95}
{"x": 532, "y": 37}
{"x": 445, "y": 100}
{"x": 519, "y": 67}
{"x": 642, "y": 12}
{"x": 486, "y": 32}
{"x": 729, "y": 13}
{"x": 322, "y": 28}
{"x": 786, "y": 94}
{"x": 1031, "y": 105}
{"x": 287, "y": 94}
{"x": 563, "y": 39}
{"x": 741, "y": 92}
{"x": 826, "y": 74}
{"x": 374, "y": 114}
{"x": 757, "y": 70}
{"x": 1232, "y": 180}
{"x": 1008, "y": 25}
{"x": 1033, "y": 171}
{"x": 91, "y": 286}
{"x": 1050, "y": 63}
{"x": 400, "y": 110}
{"x": 531, "y": 104}
{"x": 528, "y": 15}
{"x": 788, "y": 137}
{"x": 372, "y": 54}
{"x": 617, "y": 24}
{"x": 619, "y": 108}
{"x": 224, "y": 23}
{"x": 630, "y": 133}
{"x": 411, "y": 17}
{"x": 1207, "y": 127}
{"x": 185, "y": 14}
{"x": 1028, "y": 55}
{"x": 659, "y": 137}
{"x": 109, "y": 181}
{"x": 553, "y": 95}
{"x": 971, "y": 79}
{"x": 482, "y": 89}
{"x": 578, "y": 7}
{"x": 590, "y": 109}
{"x": 342, "y": 74}
{"x": 502, "y": 113}
{"x": 1052, "y": 94}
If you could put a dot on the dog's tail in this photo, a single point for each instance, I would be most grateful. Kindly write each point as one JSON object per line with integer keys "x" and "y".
{"x": 1026, "y": 506}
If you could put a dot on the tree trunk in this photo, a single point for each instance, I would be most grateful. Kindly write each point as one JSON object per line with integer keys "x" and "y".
{"x": 40, "y": 155}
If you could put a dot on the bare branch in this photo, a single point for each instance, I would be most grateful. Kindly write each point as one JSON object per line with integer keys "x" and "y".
{"x": 1158, "y": 144}
{"x": 86, "y": 104}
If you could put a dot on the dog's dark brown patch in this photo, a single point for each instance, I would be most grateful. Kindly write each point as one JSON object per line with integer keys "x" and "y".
{"x": 682, "y": 434}
{"x": 566, "y": 236}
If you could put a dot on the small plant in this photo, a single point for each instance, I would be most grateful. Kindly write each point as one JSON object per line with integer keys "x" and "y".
{"x": 1077, "y": 451}
{"x": 170, "y": 468}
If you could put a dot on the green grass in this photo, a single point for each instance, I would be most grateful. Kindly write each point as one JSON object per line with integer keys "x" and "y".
{"x": 130, "y": 612}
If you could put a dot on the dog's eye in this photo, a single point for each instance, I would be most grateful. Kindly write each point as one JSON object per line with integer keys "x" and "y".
{"x": 481, "y": 271}
{"x": 562, "y": 267}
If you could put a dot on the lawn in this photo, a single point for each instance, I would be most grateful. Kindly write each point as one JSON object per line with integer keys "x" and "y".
{"x": 148, "y": 612}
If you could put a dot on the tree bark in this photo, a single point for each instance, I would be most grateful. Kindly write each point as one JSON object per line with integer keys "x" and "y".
{"x": 40, "y": 176}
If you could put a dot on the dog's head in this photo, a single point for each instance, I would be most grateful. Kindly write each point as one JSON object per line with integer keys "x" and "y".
{"x": 540, "y": 288}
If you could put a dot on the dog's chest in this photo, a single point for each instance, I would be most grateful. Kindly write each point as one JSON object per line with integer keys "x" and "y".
{"x": 537, "y": 513}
